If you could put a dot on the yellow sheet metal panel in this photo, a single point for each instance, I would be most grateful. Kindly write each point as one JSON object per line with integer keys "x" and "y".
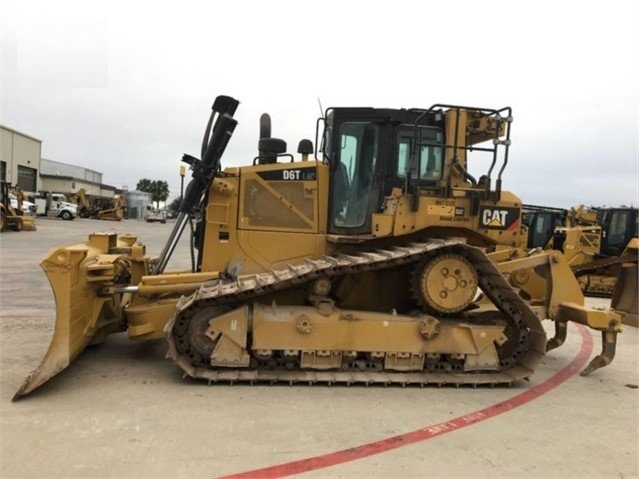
{"x": 277, "y": 328}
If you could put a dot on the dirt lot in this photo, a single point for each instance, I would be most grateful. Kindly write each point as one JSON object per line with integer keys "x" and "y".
{"x": 123, "y": 410}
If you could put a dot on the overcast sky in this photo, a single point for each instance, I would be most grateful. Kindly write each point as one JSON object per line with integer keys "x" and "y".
{"x": 126, "y": 88}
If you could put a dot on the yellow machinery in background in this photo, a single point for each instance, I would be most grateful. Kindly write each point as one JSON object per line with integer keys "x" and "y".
{"x": 13, "y": 217}
{"x": 604, "y": 240}
{"x": 361, "y": 261}
{"x": 98, "y": 208}
{"x": 596, "y": 242}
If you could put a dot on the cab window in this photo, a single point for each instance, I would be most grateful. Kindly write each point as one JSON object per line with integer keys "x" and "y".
{"x": 619, "y": 227}
{"x": 429, "y": 144}
{"x": 353, "y": 175}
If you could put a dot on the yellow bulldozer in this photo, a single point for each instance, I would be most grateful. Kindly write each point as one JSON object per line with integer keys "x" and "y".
{"x": 596, "y": 242}
{"x": 98, "y": 207}
{"x": 13, "y": 215}
{"x": 361, "y": 260}
{"x": 603, "y": 240}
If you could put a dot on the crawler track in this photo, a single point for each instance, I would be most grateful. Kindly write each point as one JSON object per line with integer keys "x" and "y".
{"x": 598, "y": 268}
{"x": 599, "y": 264}
{"x": 519, "y": 365}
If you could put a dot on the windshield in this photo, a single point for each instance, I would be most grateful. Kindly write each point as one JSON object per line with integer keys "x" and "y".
{"x": 353, "y": 175}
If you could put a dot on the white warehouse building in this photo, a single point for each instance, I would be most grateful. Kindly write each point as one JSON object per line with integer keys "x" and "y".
{"x": 20, "y": 159}
{"x": 65, "y": 178}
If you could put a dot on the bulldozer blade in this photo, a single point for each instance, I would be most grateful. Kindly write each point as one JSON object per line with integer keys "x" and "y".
{"x": 78, "y": 308}
{"x": 28, "y": 223}
{"x": 624, "y": 296}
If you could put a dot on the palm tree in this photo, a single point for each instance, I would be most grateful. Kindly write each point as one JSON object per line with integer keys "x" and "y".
{"x": 159, "y": 189}
{"x": 144, "y": 185}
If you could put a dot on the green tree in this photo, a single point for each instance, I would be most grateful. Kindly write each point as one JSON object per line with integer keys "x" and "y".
{"x": 144, "y": 185}
{"x": 158, "y": 188}
{"x": 161, "y": 192}
{"x": 175, "y": 204}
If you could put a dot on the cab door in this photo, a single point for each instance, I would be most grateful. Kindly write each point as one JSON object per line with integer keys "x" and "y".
{"x": 618, "y": 227}
{"x": 355, "y": 188}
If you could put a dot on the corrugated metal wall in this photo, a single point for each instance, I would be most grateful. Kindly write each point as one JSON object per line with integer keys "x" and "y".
{"x": 50, "y": 167}
{"x": 136, "y": 203}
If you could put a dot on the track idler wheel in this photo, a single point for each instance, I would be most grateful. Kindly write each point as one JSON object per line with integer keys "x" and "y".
{"x": 191, "y": 338}
{"x": 445, "y": 284}
{"x": 516, "y": 338}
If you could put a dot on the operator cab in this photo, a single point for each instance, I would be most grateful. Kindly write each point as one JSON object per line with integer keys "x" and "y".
{"x": 618, "y": 226}
{"x": 369, "y": 151}
{"x": 541, "y": 222}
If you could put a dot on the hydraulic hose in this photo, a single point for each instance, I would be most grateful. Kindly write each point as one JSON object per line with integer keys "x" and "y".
{"x": 204, "y": 171}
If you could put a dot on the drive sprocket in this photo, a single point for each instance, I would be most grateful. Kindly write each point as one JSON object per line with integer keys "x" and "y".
{"x": 445, "y": 284}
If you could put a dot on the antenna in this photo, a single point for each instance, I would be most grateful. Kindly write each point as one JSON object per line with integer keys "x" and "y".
{"x": 320, "y": 107}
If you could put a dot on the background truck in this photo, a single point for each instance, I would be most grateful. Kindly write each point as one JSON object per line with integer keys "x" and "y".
{"x": 55, "y": 205}
{"x": 154, "y": 214}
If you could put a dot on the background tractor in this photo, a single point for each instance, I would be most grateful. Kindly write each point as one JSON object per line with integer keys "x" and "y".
{"x": 98, "y": 207}
{"x": 595, "y": 241}
{"x": 12, "y": 215}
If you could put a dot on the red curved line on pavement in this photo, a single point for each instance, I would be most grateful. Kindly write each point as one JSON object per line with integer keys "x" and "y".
{"x": 428, "y": 432}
